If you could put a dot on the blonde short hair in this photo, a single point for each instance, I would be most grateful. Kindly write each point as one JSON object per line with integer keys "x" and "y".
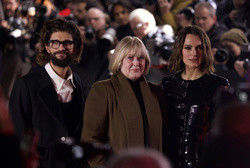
{"x": 126, "y": 45}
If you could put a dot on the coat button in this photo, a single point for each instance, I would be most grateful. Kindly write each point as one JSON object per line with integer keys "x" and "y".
{"x": 179, "y": 163}
{"x": 179, "y": 152}
{"x": 181, "y": 117}
{"x": 182, "y": 105}
{"x": 180, "y": 140}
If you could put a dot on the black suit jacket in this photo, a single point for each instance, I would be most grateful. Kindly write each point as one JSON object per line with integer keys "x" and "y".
{"x": 34, "y": 104}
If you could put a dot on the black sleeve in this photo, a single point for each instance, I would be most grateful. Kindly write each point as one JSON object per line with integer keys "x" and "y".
{"x": 20, "y": 107}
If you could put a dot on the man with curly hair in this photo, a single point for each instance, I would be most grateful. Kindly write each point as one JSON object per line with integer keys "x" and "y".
{"x": 50, "y": 99}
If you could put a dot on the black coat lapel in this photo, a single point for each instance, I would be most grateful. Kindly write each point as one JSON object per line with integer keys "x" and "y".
{"x": 49, "y": 95}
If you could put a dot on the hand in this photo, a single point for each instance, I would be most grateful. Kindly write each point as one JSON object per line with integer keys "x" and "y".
{"x": 214, "y": 50}
{"x": 87, "y": 41}
{"x": 100, "y": 33}
{"x": 165, "y": 5}
{"x": 5, "y": 24}
{"x": 238, "y": 66}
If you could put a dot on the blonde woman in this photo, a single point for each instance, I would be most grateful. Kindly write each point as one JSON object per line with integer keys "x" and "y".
{"x": 125, "y": 110}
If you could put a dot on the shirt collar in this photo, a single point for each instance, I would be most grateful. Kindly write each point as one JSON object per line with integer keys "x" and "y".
{"x": 56, "y": 79}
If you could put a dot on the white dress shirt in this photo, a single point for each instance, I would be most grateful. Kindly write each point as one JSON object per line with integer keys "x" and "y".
{"x": 63, "y": 87}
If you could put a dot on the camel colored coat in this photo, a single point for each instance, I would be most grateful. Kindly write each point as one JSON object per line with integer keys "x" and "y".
{"x": 112, "y": 115}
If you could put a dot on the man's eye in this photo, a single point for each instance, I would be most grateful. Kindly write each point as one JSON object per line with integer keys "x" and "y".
{"x": 55, "y": 42}
{"x": 68, "y": 43}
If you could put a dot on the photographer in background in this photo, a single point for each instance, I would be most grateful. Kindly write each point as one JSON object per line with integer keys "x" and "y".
{"x": 232, "y": 56}
{"x": 13, "y": 44}
{"x": 169, "y": 9}
{"x": 235, "y": 13}
{"x": 119, "y": 14}
{"x": 184, "y": 17}
{"x": 156, "y": 40}
{"x": 9, "y": 8}
{"x": 98, "y": 39}
{"x": 205, "y": 18}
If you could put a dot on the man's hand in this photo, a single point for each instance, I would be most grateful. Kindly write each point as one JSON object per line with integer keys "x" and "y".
{"x": 86, "y": 41}
{"x": 238, "y": 66}
{"x": 5, "y": 24}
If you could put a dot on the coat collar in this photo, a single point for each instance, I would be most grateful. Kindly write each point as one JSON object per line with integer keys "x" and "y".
{"x": 49, "y": 96}
{"x": 130, "y": 108}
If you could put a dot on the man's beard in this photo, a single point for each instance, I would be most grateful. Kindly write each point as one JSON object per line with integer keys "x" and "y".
{"x": 61, "y": 62}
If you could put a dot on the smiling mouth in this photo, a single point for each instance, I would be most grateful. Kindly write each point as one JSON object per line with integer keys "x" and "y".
{"x": 61, "y": 55}
{"x": 135, "y": 69}
{"x": 195, "y": 59}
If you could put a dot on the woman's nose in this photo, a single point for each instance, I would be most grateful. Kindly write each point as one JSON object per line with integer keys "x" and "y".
{"x": 194, "y": 51}
{"x": 136, "y": 61}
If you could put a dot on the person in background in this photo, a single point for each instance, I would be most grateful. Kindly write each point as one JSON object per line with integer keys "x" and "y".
{"x": 169, "y": 9}
{"x": 156, "y": 39}
{"x": 153, "y": 7}
{"x": 50, "y": 99}
{"x": 13, "y": 45}
{"x": 205, "y": 17}
{"x": 233, "y": 42}
{"x": 9, "y": 8}
{"x": 190, "y": 95}
{"x": 184, "y": 17}
{"x": 94, "y": 63}
{"x": 126, "y": 110}
{"x": 119, "y": 14}
{"x": 69, "y": 9}
{"x": 96, "y": 19}
{"x": 80, "y": 12}
{"x": 234, "y": 14}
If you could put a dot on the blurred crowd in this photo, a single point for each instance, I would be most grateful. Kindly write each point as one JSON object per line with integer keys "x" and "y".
{"x": 103, "y": 23}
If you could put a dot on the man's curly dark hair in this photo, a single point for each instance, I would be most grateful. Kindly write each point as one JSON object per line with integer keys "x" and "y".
{"x": 59, "y": 25}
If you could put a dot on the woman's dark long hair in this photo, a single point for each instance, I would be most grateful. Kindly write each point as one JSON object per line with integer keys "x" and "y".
{"x": 175, "y": 61}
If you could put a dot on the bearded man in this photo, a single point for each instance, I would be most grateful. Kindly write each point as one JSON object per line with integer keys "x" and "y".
{"x": 50, "y": 99}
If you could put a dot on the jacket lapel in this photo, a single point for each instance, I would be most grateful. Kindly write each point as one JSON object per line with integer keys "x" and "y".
{"x": 132, "y": 113}
{"x": 151, "y": 103}
{"x": 153, "y": 112}
{"x": 129, "y": 107}
{"x": 49, "y": 96}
